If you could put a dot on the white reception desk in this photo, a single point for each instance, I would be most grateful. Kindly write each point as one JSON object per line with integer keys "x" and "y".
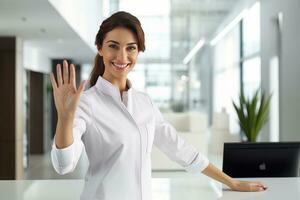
{"x": 190, "y": 188}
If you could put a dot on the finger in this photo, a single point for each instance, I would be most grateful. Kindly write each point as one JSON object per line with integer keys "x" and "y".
{"x": 261, "y": 185}
{"x": 66, "y": 72}
{"x": 72, "y": 76}
{"x": 59, "y": 77}
{"x": 81, "y": 87}
{"x": 53, "y": 82}
{"x": 259, "y": 188}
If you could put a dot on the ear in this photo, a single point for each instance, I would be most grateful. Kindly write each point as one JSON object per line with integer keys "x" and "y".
{"x": 100, "y": 51}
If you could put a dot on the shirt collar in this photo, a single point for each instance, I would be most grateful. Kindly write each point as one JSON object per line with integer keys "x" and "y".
{"x": 112, "y": 90}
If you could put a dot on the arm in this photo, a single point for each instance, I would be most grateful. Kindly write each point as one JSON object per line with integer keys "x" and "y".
{"x": 167, "y": 140}
{"x": 64, "y": 133}
{"x": 67, "y": 145}
{"x": 215, "y": 173}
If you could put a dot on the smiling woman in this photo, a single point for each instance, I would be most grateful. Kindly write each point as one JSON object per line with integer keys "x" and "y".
{"x": 118, "y": 125}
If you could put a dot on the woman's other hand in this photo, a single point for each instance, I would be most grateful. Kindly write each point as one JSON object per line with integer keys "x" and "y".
{"x": 66, "y": 95}
{"x": 237, "y": 185}
{"x": 247, "y": 186}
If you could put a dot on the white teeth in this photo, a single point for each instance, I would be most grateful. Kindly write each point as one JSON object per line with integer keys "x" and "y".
{"x": 120, "y": 66}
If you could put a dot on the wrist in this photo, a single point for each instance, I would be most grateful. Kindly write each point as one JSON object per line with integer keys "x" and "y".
{"x": 232, "y": 183}
{"x": 65, "y": 117}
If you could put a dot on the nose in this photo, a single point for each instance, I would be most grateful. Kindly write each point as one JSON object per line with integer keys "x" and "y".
{"x": 122, "y": 56}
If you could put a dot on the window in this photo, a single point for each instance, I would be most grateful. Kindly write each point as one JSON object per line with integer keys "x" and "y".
{"x": 237, "y": 64}
{"x": 250, "y": 56}
{"x": 251, "y": 75}
{"x": 153, "y": 78}
{"x": 251, "y": 31}
{"x": 227, "y": 75}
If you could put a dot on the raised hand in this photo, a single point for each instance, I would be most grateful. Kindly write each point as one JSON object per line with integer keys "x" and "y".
{"x": 66, "y": 95}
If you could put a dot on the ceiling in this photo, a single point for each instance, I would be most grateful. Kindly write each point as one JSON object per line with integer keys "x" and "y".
{"x": 40, "y": 26}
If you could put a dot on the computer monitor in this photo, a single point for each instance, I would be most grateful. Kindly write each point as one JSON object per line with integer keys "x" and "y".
{"x": 262, "y": 159}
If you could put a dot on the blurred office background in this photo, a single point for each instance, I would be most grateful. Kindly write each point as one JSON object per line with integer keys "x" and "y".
{"x": 200, "y": 54}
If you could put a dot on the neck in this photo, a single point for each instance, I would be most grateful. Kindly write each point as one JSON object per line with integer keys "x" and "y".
{"x": 118, "y": 82}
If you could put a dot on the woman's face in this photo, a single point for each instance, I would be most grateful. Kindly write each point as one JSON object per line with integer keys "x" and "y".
{"x": 119, "y": 51}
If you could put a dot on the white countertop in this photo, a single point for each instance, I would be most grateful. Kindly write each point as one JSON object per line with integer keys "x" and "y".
{"x": 174, "y": 188}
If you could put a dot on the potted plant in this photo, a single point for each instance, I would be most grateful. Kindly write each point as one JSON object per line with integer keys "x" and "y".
{"x": 252, "y": 113}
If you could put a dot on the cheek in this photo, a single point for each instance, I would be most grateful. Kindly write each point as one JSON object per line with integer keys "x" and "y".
{"x": 108, "y": 57}
{"x": 133, "y": 58}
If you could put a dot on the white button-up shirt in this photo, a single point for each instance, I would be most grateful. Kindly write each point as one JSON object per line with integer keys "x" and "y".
{"x": 118, "y": 137}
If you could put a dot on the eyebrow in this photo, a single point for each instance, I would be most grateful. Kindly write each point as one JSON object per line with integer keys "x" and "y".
{"x": 119, "y": 43}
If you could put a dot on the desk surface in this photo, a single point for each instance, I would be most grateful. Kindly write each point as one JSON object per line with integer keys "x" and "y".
{"x": 175, "y": 188}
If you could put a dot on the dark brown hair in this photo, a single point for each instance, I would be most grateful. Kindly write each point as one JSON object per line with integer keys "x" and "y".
{"x": 118, "y": 19}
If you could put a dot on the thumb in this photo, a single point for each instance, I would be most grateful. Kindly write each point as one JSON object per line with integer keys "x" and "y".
{"x": 81, "y": 87}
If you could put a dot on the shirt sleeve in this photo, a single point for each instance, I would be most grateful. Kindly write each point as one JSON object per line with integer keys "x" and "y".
{"x": 175, "y": 147}
{"x": 65, "y": 160}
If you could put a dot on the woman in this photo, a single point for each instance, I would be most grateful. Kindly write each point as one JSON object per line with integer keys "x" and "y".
{"x": 116, "y": 124}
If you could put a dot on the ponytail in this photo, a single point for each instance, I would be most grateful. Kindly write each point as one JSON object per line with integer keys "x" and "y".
{"x": 97, "y": 71}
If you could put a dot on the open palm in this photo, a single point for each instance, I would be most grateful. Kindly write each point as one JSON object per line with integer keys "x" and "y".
{"x": 66, "y": 95}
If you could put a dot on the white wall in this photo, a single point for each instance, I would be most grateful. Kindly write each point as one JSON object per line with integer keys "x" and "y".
{"x": 35, "y": 59}
{"x": 289, "y": 72}
{"x": 83, "y": 16}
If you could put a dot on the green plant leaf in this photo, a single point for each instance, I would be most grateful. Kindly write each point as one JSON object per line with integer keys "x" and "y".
{"x": 244, "y": 115}
{"x": 240, "y": 114}
{"x": 252, "y": 113}
{"x": 264, "y": 108}
{"x": 251, "y": 107}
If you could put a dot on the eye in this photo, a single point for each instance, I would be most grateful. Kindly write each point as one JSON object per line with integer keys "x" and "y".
{"x": 131, "y": 48}
{"x": 114, "y": 46}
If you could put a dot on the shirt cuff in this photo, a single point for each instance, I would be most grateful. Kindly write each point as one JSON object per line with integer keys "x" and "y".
{"x": 198, "y": 164}
{"x": 63, "y": 157}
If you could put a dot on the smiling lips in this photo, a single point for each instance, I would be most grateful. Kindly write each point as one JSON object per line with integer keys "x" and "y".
{"x": 120, "y": 66}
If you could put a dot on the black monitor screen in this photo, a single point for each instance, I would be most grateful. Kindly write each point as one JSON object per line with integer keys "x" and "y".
{"x": 262, "y": 159}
